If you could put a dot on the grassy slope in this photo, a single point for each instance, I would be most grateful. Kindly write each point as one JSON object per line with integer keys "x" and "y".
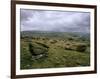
{"x": 57, "y": 55}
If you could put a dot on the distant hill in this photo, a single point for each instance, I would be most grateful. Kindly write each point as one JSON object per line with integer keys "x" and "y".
{"x": 50, "y": 34}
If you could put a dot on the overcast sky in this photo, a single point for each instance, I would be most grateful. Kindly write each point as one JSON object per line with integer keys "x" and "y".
{"x": 58, "y": 21}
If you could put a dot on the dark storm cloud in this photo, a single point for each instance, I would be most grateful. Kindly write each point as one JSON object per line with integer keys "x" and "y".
{"x": 55, "y": 21}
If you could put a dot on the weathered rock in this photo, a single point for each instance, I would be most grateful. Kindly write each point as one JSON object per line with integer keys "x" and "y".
{"x": 37, "y": 51}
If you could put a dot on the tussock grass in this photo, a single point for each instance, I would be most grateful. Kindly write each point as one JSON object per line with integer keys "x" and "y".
{"x": 60, "y": 53}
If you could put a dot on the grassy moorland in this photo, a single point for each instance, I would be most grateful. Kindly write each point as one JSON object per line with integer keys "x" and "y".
{"x": 54, "y": 49}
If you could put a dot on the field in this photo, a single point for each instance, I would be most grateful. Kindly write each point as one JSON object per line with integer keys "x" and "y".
{"x": 41, "y": 49}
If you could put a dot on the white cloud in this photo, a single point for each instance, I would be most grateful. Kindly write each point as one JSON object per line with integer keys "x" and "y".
{"x": 55, "y": 21}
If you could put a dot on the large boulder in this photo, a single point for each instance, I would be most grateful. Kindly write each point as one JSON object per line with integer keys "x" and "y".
{"x": 81, "y": 48}
{"x": 37, "y": 50}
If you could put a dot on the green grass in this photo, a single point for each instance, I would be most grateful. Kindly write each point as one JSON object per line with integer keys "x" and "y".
{"x": 61, "y": 53}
